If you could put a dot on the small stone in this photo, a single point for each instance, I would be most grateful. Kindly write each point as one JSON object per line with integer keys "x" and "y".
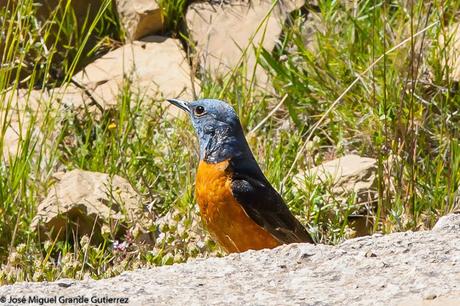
{"x": 370, "y": 254}
{"x": 430, "y": 296}
{"x": 65, "y": 283}
{"x": 304, "y": 256}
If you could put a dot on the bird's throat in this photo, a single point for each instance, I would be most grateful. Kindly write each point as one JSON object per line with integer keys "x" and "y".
{"x": 220, "y": 147}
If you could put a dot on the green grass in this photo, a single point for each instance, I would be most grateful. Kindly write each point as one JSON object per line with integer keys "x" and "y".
{"x": 173, "y": 13}
{"x": 401, "y": 109}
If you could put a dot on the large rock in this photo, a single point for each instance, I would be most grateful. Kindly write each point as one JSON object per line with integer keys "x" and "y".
{"x": 155, "y": 68}
{"x": 222, "y": 31}
{"x": 139, "y": 17}
{"x": 14, "y": 138}
{"x": 87, "y": 203}
{"x": 409, "y": 268}
{"x": 350, "y": 174}
{"x": 23, "y": 111}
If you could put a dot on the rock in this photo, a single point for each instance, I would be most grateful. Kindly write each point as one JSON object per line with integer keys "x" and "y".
{"x": 12, "y": 139}
{"x": 451, "y": 43}
{"x": 21, "y": 101}
{"x": 23, "y": 110}
{"x": 155, "y": 68}
{"x": 312, "y": 24}
{"x": 350, "y": 174}
{"x": 410, "y": 267}
{"x": 222, "y": 31}
{"x": 449, "y": 222}
{"x": 139, "y": 17}
{"x": 83, "y": 202}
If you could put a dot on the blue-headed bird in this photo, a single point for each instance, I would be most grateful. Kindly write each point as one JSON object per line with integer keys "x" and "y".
{"x": 238, "y": 205}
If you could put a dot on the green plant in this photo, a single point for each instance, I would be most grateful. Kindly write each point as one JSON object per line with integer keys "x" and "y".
{"x": 173, "y": 12}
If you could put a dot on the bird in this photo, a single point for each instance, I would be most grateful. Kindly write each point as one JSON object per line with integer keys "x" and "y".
{"x": 239, "y": 207}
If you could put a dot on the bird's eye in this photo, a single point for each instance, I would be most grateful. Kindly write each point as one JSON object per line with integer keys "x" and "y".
{"x": 199, "y": 110}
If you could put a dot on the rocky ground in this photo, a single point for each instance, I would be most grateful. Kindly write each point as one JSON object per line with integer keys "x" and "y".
{"x": 421, "y": 268}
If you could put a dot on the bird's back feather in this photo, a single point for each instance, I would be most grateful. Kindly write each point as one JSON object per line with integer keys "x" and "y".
{"x": 263, "y": 203}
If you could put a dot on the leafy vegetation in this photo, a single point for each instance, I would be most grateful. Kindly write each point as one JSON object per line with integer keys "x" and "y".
{"x": 372, "y": 79}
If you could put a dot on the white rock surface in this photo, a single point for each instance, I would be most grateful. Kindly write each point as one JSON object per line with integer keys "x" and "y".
{"x": 421, "y": 268}
{"x": 449, "y": 222}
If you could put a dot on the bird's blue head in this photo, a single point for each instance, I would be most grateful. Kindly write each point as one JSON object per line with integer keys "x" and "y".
{"x": 218, "y": 128}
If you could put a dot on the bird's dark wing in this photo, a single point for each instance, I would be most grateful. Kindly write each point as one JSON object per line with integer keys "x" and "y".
{"x": 263, "y": 204}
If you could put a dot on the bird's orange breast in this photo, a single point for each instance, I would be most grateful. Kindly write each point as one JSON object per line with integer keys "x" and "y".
{"x": 224, "y": 217}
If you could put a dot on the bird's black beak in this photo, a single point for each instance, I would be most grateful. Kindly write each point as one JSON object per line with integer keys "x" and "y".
{"x": 185, "y": 106}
